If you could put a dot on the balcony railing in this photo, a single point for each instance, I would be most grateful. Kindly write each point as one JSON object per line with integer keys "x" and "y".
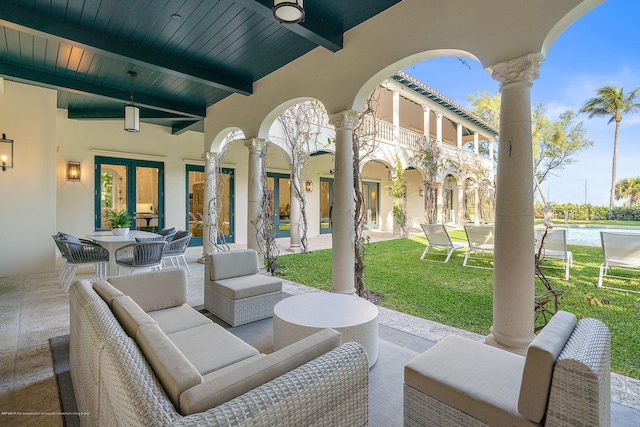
{"x": 385, "y": 133}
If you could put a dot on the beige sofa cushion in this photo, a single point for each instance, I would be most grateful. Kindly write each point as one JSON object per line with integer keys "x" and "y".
{"x": 231, "y": 383}
{"x": 130, "y": 316}
{"x": 246, "y": 286}
{"x": 223, "y": 265}
{"x": 106, "y": 291}
{"x": 477, "y": 379}
{"x": 154, "y": 290}
{"x": 178, "y": 318}
{"x": 173, "y": 369}
{"x": 210, "y": 347}
{"x": 538, "y": 368}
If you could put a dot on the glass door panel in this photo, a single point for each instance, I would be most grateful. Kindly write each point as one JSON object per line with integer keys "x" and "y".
{"x": 284, "y": 204}
{"x": 326, "y": 201}
{"x": 370, "y": 192}
{"x": 280, "y": 203}
{"x": 195, "y": 203}
{"x": 147, "y": 198}
{"x": 113, "y": 192}
{"x": 225, "y": 192}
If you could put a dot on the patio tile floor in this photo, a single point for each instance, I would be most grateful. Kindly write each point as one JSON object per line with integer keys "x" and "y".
{"x": 33, "y": 309}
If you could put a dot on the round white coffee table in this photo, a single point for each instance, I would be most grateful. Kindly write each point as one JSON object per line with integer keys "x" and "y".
{"x": 302, "y": 315}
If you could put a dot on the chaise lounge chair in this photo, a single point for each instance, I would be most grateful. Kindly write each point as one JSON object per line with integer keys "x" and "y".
{"x": 555, "y": 247}
{"x": 480, "y": 238}
{"x": 619, "y": 250}
{"x": 437, "y": 237}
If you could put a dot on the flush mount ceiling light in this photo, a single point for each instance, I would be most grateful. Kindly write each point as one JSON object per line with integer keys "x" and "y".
{"x": 131, "y": 110}
{"x": 288, "y": 12}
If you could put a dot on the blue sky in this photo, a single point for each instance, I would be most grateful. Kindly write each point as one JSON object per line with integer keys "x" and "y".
{"x": 600, "y": 49}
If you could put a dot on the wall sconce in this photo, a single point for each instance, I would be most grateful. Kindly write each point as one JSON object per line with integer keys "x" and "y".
{"x": 421, "y": 192}
{"x": 73, "y": 171}
{"x": 308, "y": 186}
{"x": 6, "y": 153}
{"x": 288, "y": 12}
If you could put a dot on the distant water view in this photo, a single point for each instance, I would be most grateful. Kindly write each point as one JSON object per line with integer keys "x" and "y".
{"x": 591, "y": 235}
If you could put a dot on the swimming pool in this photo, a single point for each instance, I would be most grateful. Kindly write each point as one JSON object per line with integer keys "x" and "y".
{"x": 591, "y": 235}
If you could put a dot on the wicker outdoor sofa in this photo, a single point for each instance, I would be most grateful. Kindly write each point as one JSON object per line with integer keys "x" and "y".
{"x": 564, "y": 380}
{"x": 140, "y": 356}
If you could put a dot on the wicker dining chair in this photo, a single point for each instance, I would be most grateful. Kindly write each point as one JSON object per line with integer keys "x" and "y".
{"x": 176, "y": 248}
{"x": 141, "y": 255}
{"x": 78, "y": 252}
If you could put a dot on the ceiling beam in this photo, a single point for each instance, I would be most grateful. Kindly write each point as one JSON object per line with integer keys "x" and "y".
{"x": 29, "y": 76}
{"x": 313, "y": 29}
{"x": 118, "y": 113}
{"x": 25, "y": 20}
{"x": 180, "y": 128}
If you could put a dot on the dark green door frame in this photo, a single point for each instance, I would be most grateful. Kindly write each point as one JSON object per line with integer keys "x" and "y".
{"x": 131, "y": 165}
{"x": 230, "y": 199}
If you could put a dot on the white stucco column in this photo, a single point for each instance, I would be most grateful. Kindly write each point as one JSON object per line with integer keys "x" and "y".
{"x": 438, "y": 126}
{"x": 254, "y": 199}
{"x": 476, "y": 149}
{"x": 425, "y": 120}
{"x": 396, "y": 118}
{"x": 439, "y": 203}
{"x": 459, "y": 134}
{"x": 513, "y": 274}
{"x": 343, "y": 235}
{"x": 209, "y": 215}
{"x": 460, "y": 209}
{"x": 294, "y": 218}
{"x": 476, "y": 212}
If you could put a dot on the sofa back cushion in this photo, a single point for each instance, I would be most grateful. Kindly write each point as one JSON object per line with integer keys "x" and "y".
{"x": 231, "y": 383}
{"x": 154, "y": 290}
{"x": 173, "y": 369}
{"x": 540, "y": 361}
{"x": 223, "y": 265}
{"x": 130, "y": 315}
{"x": 106, "y": 291}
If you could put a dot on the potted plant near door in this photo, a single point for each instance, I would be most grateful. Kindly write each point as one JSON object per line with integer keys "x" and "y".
{"x": 120, "y": 221}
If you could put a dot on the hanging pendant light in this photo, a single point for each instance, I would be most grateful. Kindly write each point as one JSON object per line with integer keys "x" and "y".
{"x": 131, "y": 111}
{"x": 288, "y": 12}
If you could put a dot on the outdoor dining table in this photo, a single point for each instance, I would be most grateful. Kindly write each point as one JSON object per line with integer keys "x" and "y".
{"x": 112, "y": 243}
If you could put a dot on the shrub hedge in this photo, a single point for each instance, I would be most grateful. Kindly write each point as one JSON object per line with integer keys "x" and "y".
{"x": 588, "y": 212}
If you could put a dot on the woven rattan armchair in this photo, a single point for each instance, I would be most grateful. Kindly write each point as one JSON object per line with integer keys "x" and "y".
{"x": 175, "y": 249}
{"x": 141, "y": 255}
{"x": 78, "y": 252}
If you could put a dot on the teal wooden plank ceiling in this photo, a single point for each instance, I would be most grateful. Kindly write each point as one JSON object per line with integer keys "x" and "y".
{"x": 188, "y": 54}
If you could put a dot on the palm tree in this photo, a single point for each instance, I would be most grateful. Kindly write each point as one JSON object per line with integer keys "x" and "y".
{"x": 629, "y": 188}
{"x": 611, "y": 102}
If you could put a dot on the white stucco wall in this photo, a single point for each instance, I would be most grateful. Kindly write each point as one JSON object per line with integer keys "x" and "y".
{"x": 82, "y": 140}
{"x": 28, "y": 191}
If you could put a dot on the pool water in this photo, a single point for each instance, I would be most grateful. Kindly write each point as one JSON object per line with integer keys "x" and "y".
{"x": 591, "y": 235}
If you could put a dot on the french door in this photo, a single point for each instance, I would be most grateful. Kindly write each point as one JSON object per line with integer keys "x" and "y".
{"x": 371, "y": 191}
{"x": 136, "y": 186}
{"x": 279, "y": 185}
{"x": 195, "y": 204}
{"x": 326, "y": 202}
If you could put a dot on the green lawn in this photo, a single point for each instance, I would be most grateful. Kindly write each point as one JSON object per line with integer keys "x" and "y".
{"x": 462, "y": 296}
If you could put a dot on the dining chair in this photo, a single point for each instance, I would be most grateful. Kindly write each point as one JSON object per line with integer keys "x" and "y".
{"x": 78, "y": 252}
{"x": 176, "y": 248}
{"x": 142, "y": 255}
